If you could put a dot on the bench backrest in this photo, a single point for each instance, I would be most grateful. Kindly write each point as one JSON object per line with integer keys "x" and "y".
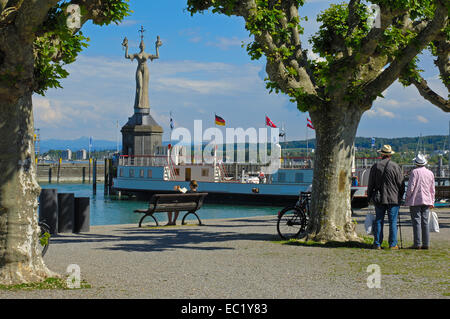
{"x": 176, "y": 202}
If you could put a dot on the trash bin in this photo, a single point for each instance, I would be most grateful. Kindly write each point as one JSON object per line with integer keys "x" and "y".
{"x": 48, "y": 209}
{"x": 66, "y": 208}
{"x": 82, "y": 215}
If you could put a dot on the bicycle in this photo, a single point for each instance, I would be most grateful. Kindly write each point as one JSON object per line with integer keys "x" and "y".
{"x": 44, "y": 237}
{"x": 292, "y": 220}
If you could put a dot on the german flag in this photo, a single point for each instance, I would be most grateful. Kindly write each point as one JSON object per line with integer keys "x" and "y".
{"x": 220, "y": 121}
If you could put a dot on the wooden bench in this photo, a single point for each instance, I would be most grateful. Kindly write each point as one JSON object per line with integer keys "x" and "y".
{"x": 165, "y": 203}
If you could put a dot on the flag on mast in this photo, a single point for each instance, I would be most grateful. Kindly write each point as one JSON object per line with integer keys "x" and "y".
{"x": 219, "y": 121}
{"x": 282, "y": 132}
{"x": 309, "y": 124}
{"x": 269, "y": 122}
{"x": 171, "y": 121}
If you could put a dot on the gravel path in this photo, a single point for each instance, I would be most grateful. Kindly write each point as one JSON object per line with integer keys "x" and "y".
{"x": 241, "y": 258}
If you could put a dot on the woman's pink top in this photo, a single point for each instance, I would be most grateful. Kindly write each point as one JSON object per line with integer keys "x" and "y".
{"x": 420, "y": 187}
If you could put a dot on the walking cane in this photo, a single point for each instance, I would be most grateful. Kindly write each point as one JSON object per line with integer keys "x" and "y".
{"x": 400, "y": 229}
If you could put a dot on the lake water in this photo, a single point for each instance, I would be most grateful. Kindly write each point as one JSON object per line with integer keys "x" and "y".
{"x": 107, "y": 211}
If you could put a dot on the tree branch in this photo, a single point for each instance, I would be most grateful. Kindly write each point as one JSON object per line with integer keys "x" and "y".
{"x": 30, "y": 15}
{"x": 416, "y": 45}
{"x": 352, "y": 19}
{"x": 431, "y": 96}
{"x": 443, "y": 60}
{"x": 371, "y": 41}
{"x": 277, "y": 65}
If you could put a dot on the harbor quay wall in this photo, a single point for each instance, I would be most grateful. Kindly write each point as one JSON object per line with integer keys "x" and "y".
{"x": 69, "y": 173}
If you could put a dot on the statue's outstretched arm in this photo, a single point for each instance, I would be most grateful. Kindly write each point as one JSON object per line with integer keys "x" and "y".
{"x": 157, "y": 45}
{"x": 125, "y": 45}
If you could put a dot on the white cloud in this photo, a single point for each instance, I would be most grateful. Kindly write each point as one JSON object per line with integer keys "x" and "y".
{"x": 314, "y": 56}
{"x": 100, "y": 91}
{"x": 391, "y": 102}
{"x": 193, "y": 86}
{"x": 226, "y": 43}
{"x": 46, "y": 112}
{"x": 422, "y": 119}
{"x": 128, "y": 22}
{"x": 380, "y": 112}
{"x": 193, "y": 35}
{"x": 196, "y": 39}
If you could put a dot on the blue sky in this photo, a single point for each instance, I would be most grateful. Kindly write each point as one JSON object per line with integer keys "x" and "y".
{"x": 203, "y": 70}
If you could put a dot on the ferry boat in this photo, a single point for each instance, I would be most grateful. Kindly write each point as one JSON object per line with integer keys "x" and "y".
{"x": 237, "y": 183}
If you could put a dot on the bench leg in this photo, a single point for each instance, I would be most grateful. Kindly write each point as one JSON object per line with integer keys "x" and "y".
{"x": 150, "y": 222}
{"x": 188, "y": 213}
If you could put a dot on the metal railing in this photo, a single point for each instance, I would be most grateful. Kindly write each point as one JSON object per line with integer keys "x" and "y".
{"x": 144, "y": 160}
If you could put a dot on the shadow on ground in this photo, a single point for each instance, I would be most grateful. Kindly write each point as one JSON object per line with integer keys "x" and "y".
{"x": 153, "y": 239}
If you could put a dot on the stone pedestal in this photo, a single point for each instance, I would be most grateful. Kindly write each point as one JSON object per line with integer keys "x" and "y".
{"x": 141, "y": 135}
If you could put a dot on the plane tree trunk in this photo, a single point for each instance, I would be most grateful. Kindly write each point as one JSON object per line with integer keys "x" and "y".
{"x": 20, "y": 258}
{"x": 335, "y": 130}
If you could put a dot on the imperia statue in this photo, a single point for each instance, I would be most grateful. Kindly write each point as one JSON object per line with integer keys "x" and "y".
{"x": 142, "y": 72}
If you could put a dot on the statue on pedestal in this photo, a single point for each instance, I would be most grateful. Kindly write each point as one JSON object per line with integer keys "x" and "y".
{"x": 141, "y": 135}
{"x": 141, "y": 102}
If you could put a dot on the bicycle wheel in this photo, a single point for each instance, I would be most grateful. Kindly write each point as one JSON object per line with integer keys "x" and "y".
{"x": 44, "y": 237}
{"x": 291, "y": 223}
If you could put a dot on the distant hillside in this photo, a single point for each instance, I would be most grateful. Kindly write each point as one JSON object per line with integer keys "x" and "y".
{"x": 76, "y": 145}
{"x": 400, "y": 144}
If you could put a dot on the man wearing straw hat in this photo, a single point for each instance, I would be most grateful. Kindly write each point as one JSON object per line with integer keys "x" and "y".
{"x": 385, "y": 190}
{"x": 420, "y": 198}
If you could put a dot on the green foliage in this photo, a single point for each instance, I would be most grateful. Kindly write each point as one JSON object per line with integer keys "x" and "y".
{"x": 47, "y": 284}
{"x": 405, "y": 147}
{"x": 334, "y": 34}
{"x": 44, "y": 239}
{"x": 113, "y": 12}
{"x": 411, "y": 72}
{"x": 418, "y": 9}
{"x": 57, "y": 45}
{"x": 339, "y": 42}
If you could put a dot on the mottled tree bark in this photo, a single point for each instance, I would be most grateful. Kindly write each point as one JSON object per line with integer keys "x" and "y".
{"x": 20, "y": 26}
{"x": 331, "y": 204}
{"x": 20, "y": 257}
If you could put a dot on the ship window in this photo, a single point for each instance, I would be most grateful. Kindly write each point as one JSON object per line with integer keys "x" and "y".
{"x": 177, "y": 171}
{"x": 121, "y": 172}
{"x": 299, "y": 177}
{"x": 149, "y": 173}
{"x": 131, "y": 172}
{"x": 205, "y": 172}
{"x": 141, "y": 173}
{"x": 282, "y": 177}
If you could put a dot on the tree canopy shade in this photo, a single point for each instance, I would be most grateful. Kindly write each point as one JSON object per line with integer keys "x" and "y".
{"x": 359, "y": 60}
{"x": 37, "y": 38}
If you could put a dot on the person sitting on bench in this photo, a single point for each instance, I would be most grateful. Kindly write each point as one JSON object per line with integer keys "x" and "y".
{"x": 193, "y": 188}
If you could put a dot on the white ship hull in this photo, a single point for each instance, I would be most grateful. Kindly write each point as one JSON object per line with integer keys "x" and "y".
{"x": 282, "y": 188}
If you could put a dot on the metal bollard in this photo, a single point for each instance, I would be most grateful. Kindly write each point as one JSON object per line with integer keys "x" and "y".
{"x": 66, "y": 208}
{"x": 82, "y": 215}
{"x": 48, "y": 209}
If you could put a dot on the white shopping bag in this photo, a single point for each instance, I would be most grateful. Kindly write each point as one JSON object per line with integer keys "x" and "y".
{"x": 368, "y": 223}
{"x": 433, "y": 222}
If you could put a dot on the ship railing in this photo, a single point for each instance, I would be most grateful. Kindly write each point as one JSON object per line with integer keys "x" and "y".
{"x": 296, "y": 162}
{"x": 223, "y": 174}
{"x": 143, "y": 160}
{"x": 171, "y": 164}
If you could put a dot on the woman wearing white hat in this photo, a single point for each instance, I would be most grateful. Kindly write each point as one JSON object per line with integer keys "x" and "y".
{"x": 420, "y": 198}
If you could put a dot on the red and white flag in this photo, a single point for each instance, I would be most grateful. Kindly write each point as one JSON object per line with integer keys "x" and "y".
{"x": 309, "y": 124}
{"x": 269, "y": 122}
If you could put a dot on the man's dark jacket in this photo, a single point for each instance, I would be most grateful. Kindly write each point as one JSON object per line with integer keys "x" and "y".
{"x": 393, "y": 184}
